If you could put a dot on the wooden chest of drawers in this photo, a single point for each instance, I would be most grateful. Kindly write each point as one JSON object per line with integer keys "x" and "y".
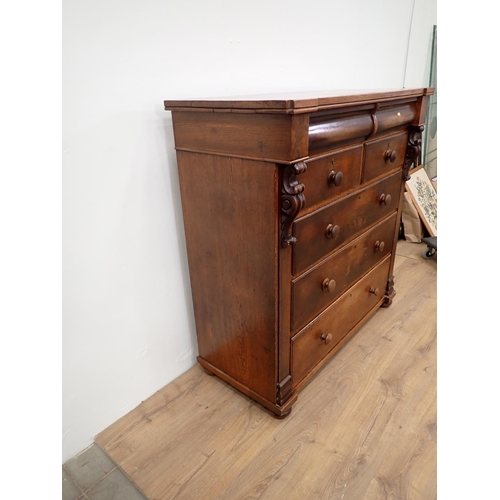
{"x": 291, "y": 209}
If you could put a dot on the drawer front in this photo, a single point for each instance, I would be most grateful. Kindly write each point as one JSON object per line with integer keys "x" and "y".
{"x": 329, "y": 177}
{"x": 320, "y": 286}
{"x": 315, "y": 341}
{"x": 383, "y": 155}
{"x": 321, "y": 232}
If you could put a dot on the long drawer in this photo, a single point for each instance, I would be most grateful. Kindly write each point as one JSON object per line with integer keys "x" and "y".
{"x": 321, "y": 285}
{"x": 321, "y": 232}
{"x": 314, "y": 342}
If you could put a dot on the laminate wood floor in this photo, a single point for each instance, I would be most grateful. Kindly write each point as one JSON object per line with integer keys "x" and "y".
{"x": 363, "y": 428}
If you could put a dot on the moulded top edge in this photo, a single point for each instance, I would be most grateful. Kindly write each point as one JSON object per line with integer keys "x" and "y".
{"x": 295, "y": 101}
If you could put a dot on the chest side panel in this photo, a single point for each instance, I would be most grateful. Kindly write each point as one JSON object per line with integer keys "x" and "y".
{"x": 229, "y": 208}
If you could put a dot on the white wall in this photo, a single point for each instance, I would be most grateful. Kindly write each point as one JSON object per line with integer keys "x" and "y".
{"x": 128, "y": 326}
{"x": 420, "y": 44}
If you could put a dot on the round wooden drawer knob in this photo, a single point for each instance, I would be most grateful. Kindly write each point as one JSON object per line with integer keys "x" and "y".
{"x": 385, "y": 199}
{"x": 332, "y": 231}
{"x": 375, "y": 291}
{"x": 326, "y": 338}
{"x": 329, "y": 285}
{"x": 390, "y": 155}
{"x": 335, "y": 178}
{"x": 379, "y": 246}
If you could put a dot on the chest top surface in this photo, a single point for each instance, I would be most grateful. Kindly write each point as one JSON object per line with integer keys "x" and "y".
{"x": 295, "y": 102}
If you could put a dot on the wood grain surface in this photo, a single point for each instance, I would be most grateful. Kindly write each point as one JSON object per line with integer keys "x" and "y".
{"x": 353, "y": 214}
{"x": 365, "y": 429}
{"x": 344, "y": 267}
{"x": 230, "y": 279}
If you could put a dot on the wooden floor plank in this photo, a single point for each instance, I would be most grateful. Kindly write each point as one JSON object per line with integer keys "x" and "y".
{"x": 363, "y": 428}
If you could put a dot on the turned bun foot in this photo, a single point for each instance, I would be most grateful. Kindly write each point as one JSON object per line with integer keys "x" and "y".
{"x": 281, "y": 417}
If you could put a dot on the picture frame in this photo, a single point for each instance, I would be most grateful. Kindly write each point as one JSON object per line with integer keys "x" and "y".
{"x": 424, "y": 197}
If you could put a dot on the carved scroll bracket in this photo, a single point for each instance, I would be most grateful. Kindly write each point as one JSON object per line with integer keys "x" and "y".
{"x": 390, "y": 293}
{"x": 292, "y": 201}
{"x": 413, "y": 149}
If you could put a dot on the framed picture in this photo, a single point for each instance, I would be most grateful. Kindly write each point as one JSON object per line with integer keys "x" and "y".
{"x": 424, "y": 198}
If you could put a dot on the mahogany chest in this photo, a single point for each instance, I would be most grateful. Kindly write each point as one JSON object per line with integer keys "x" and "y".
{"x": 291, "y": 207}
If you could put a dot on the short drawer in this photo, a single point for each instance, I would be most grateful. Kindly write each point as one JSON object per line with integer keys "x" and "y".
{"x": 313, "y": 343}
{"x": 331, "y": 176}
{"x": 320, "y": 286}
{"x": 383, "y": 155}
{"x": 321, "y": 232}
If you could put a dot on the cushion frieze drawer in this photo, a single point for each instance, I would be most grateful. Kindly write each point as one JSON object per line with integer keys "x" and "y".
{"x": 313, "y": 343}
{"x": 383, "y": 155}
{"x": 328, "y": 177}
{"x": 321, "y": 285}
{"x": 320, "y": 233}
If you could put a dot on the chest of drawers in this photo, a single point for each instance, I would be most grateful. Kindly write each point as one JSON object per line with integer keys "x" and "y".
{"x": 291, "y": 208}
